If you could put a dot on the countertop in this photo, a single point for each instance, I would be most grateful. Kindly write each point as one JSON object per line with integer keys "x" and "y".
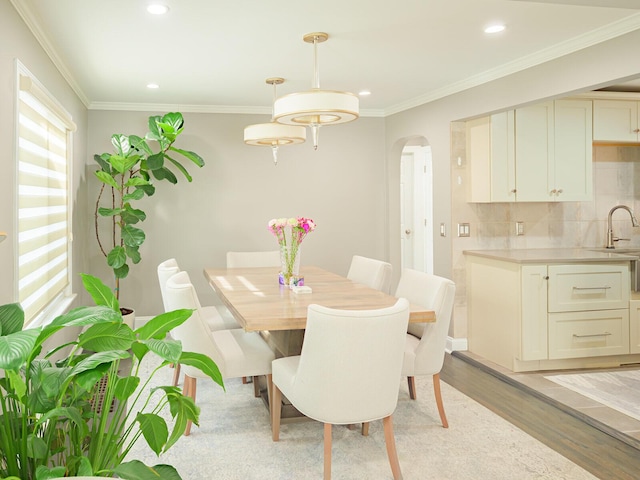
{"x": 553, "y": 255}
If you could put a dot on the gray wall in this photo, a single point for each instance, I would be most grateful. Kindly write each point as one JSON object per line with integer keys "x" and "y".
{"x": 341, "y": 186}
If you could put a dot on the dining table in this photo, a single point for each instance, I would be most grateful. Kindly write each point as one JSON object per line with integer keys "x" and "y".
{"x": 279, "y": 313}
{"x": 260, "y": 304}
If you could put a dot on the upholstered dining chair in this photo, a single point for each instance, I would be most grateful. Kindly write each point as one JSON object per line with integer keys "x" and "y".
{"x": 210, "y": 315}
{"x": 269, "y": 258}
{"x": 236, "y": 352}
{"x": 337, "y": 380}
{"x": 426, "y": 342}
{"x": 370, "y": 272}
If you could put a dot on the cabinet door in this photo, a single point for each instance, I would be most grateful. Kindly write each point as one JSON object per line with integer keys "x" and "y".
{"x": 615, "y": 121}
{"x": 573, "y": 156}
{"x": 534, "y": 139}
{"x": 490, "y": 157}
{"x": 534, "y": 325}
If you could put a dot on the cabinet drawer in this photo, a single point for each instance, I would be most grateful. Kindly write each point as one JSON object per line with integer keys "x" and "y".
{"x": 588, "y": 334}
{"x": 588, "y": 287}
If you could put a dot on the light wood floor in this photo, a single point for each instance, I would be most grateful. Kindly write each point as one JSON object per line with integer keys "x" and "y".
{"x": 603, "y": 455}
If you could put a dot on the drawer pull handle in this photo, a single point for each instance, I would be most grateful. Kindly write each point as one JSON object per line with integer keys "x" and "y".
{"x": 606, "y": 287}
{"x": 592, "y": 335}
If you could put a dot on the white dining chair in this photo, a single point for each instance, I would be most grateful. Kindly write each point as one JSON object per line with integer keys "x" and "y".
{"x": 236, "y": 352}
{"x": 211, "y": 314}
{"x": 426, "y": 342}
{"x": 348, "y": 372}
{"x": 370, "y": 272}
{"x": 269, "y": 258}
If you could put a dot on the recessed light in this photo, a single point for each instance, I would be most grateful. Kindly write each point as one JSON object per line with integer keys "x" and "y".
{"x": 364, "y": 93}
{"x": 157, "y": 9}
{"x": 496, "y": 28}
{"x": 153, "y": 86}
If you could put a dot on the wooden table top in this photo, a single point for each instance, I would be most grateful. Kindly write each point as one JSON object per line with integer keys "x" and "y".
{"x": 258, "y": 302}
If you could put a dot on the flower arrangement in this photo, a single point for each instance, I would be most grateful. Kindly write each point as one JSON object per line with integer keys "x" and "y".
{"x": 290, "y": 232}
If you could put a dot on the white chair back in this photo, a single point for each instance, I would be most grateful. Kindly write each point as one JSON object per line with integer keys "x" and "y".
{"x": 350, "y": 364}
{"x": 166, "y": 270}
{"x": 194, "y": 334}
{"x": 438, "y": 294}
{"x": 370, "y": 272}
{"x": 253, "y": 259}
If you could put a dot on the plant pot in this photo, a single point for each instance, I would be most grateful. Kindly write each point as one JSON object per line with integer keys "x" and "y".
{"x": 128, "y": 316}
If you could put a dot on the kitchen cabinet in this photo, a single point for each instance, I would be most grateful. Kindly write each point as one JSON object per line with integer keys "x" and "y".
{"x": 540, "y": 153}
{"x": 536, "y": 316}
{"x": 634, "y": 323}
{"x": 616, "y": 121}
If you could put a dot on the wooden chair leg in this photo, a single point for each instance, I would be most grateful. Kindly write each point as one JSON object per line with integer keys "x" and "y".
{"x": 256, "y": 387}
{"x": 176, "y": 374}
{"x": 244, "y": 380}
{"x": 327, "y": 451}
{"x": 390, "y": 441}
{"x": 365, "y": 428}
{"x": 438, "y": 394}
{"x": 269, "y": 395}
{"x": 412, "y": 387}
{"x": 190, "y": 391}
{"x": 276, "y": 411}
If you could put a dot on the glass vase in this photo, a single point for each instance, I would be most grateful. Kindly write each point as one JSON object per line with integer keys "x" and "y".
{"x": 290, "y": 266}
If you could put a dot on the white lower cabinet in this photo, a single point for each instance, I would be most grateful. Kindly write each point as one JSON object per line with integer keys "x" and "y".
{"x": 530, "y": 316}
{"x": 634, "y": 323}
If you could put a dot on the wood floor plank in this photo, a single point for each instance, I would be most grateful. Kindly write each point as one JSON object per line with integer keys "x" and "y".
{"x": 600, "y": 454}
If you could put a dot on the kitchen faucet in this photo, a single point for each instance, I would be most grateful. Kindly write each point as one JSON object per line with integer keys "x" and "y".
{"x": 610, "y": 237}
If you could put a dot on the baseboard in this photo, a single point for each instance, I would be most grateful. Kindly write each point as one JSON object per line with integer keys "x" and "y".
{"x": 456, "y": 344}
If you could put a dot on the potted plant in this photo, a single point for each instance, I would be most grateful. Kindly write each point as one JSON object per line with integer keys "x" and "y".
{"x": 54, "y": 417}
{"x": 127, "y": 176}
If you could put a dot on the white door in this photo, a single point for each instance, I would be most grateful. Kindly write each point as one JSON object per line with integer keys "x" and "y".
{"x": 416, "y": 225}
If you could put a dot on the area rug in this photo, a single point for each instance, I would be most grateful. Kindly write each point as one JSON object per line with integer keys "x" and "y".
{"x": 618, "y": 390}
{"x": 233, "y": 442}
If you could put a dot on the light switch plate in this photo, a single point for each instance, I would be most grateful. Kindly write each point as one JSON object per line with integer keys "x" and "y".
{"x": 464, "y": 230}
{"x": 443, "y": 230}
{"x": 519, "y": 228}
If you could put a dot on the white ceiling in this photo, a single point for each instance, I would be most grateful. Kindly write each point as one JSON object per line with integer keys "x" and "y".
{"x": 214, "y": 55}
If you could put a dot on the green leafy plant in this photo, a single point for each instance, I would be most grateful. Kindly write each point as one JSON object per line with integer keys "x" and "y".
{"x": 55, "y": 418}
{"x": 127, "y": 176}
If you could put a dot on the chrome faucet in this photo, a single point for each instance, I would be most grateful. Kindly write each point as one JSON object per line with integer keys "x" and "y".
{"x": 610, "y": 237}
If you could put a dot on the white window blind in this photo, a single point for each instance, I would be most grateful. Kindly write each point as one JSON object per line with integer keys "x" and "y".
{"x": 43, "y": 152}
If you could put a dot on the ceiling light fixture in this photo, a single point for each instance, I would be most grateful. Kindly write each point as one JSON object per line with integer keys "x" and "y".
{"x": 274, "y": 134}
{"x": 153, "y": 86}
{"x": 316, "y": 107}
{"x": 157, "y": 9}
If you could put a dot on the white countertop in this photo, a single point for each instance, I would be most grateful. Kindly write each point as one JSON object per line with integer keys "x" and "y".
{"x": 553, "y": 255}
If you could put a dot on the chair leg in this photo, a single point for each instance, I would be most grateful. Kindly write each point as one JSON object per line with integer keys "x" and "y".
{"x": 365, "y": 428}
{"x": 390, "y": 441}
{"x": 176, "y": 374}
{"x": 190, "y": 391}
{"x": 269, "y": 395}
{"x": 327, "y": 451}
{"x": 256, "y": 387}
{"x": 412, "y": 387}
{"x": 244, "y": 380}
{"x": 438, "y": 394}
{"x": 276, "y": 411}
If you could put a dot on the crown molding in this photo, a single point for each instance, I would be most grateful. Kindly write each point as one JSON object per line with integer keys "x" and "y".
{"x": 608, "y": 32}
{"x": 32, "y": 23}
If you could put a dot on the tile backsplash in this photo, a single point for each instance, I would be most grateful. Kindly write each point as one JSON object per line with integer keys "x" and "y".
{"x": 616, "y": 181}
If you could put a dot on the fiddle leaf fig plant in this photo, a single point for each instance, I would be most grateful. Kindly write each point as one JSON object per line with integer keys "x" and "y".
{"x": 128, "y": 175}
{"x": 81, "y": 415}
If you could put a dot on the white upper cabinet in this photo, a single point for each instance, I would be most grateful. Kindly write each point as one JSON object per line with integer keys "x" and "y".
{"x": 540, "y": 153}
{"x": 616, "y": 121}
{"x": 573, "y": 157}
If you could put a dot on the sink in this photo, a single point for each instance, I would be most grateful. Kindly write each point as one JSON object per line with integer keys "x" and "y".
{"x": 635, "y": 264}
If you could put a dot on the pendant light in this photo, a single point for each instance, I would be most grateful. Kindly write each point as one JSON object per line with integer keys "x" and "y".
{"x": 316, "y": 107}
{"x": 274, "y": 134}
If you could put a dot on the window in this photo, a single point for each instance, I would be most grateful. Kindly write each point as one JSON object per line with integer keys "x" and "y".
{"x": 43, "y": 220}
